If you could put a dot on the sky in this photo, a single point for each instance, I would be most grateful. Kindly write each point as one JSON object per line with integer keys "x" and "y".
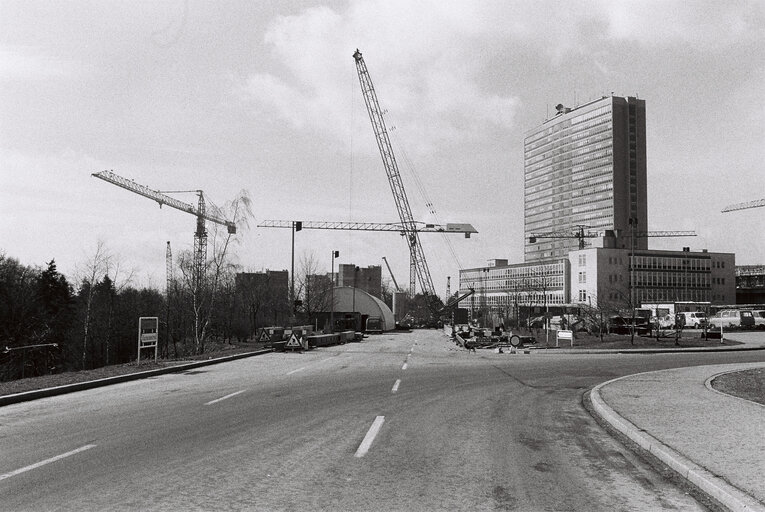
{"x": 226, "y": 96}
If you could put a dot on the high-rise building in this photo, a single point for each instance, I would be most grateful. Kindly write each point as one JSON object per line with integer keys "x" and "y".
{"x": 368, "y": 279}
{"x": 586, "y": 166}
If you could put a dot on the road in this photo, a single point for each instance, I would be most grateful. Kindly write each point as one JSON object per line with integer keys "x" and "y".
{"x": 398, "y": 422}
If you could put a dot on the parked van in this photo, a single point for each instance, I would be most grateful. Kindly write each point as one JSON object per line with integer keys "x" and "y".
{"x": 728, "y": 318}
{"x": 759, "y": 318}
{"x": 694, "y": 319}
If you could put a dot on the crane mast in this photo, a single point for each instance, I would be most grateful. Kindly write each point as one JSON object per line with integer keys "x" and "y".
{"x": 418, "y": 266}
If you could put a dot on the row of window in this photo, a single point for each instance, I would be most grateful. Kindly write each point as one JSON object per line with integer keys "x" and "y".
{"x": 553, "y": 132}
{"x": 672, "y": 263}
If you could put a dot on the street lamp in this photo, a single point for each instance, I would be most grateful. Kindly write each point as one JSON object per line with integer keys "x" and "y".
{"x": 335, "y": 254}
{"x": 296, "y": 226}
{"x": 355, "y": 277}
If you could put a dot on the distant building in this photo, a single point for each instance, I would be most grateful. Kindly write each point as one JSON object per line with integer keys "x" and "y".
{"x": 368, "y": 279}
{"x": 606, "y": 278}
{"x": 750, "y": 284}
{"x": 586, "y": 166}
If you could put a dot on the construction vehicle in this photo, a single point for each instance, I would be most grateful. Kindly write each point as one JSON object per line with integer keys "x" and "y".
{"x": 200, "y": 212}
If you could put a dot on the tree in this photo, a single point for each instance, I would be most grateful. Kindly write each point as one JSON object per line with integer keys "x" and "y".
{"x": 203, "y": 298}
{"x": 56, "y": 300}
{"x": 314, "y": 289}
{"x": 87, "y": 273}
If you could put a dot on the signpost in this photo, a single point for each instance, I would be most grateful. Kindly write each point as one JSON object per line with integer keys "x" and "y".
{"x": 148, "y": 327}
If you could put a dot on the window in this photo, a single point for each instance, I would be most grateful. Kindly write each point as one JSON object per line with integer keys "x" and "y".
{"x": 582, "y": 277}
{"x": 582, "y": 260}
{"x": 582, "y": 295}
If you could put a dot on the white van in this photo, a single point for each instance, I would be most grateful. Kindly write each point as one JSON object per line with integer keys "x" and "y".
{"x": 694, "y": 319}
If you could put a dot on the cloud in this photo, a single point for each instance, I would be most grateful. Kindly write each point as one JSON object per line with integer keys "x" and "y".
{"x": 706, "y": 23}
{"x": 423, "y": 66}
{"x": 24, "y": 63}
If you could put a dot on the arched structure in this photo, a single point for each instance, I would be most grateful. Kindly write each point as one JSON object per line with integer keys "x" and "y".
{"x": 349, "y": 299}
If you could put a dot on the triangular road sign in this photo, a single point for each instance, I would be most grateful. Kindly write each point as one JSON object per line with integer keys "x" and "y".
{"x": 264, "y": 336}
{"x": 294, "y": 342}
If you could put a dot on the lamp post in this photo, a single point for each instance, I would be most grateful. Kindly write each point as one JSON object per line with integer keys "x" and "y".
{"x": 355, "y": 277}
{"x": 296, "y": 226}
{"x": 335, "y": 254}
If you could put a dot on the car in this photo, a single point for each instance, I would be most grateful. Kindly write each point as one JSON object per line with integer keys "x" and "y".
{"x": 694, "y": 319}
{"x": 732, "y": 318}
{"x": 759, "y": 318}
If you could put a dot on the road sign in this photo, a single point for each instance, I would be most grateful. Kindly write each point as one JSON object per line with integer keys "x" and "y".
{"x": 265, "y": 336}
{"x": 148, "y": 334}
{"x": 294, "y": 342}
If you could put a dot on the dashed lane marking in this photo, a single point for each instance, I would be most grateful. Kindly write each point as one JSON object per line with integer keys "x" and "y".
{"x": 405, "y": 366}
{"x": 225, "y": 397}
{"x": 371, "y": 434}
{"x": 46, "y": 461}
{"x": 395, "y": 386}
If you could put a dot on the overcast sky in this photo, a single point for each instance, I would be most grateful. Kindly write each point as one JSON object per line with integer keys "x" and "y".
{"x": 264, "y": 96}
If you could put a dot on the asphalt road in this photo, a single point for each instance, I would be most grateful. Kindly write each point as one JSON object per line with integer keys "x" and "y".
{"x": 398, "y": 422}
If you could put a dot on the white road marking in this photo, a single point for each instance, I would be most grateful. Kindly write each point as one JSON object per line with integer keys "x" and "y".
{"x": 405, "y": 366}
{"x": 371, "y": 434}
{"x": 47, "y": 461}
{"x": 224, "y": 397}
{"x": 395, "y": 386}
{"x": 304, "y": 367}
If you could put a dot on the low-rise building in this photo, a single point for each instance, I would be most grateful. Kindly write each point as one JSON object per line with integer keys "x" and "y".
{"x": 607, "y": 278}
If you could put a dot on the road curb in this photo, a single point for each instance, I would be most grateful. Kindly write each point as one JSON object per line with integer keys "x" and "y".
{"x": 728, "y": 495}
{"x": 90, "y": 384}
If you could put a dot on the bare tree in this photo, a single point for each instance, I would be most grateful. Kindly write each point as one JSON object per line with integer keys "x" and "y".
{"x": 313, "y": 288}
{"x": 203, "y": 299}
{"x": 88, "y": 274}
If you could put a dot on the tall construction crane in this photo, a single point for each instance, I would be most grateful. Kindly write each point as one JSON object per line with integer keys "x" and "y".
{"x": 418, "y": 227}
{"x": 744, "y": 206}
{"x": 418, "y": 266}
{"x": 581, "y": 234}
{"x": 200, "y": 211}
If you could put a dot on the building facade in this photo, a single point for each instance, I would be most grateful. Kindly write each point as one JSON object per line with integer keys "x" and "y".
{"x": 586, "y": 166}
{"x": 750, "y": 284}
{"x": 368, "y": 279}
{"x": 624, "y": 279}
{"x": 610, "y": 279}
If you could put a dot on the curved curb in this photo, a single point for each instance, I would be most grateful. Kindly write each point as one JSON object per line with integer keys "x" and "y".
{"x": 90, "y": 384}
{"x": 710, "y": 387}
{"x": 728, "y": 495}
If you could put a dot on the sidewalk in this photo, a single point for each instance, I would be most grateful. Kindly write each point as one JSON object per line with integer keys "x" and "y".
{"x": 714, "y": 440}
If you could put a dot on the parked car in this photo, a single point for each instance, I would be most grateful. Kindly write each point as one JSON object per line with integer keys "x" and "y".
{"x": 732, "y": 318}
{"x": 694, "y": 319}
{"x": 759, "y": 318}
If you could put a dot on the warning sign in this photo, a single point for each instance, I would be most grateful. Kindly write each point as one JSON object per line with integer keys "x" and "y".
{"x": 264, "y": 336}
{"x": 294, "y": 342}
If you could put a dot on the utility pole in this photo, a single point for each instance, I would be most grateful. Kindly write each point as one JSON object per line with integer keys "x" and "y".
{"x": 335, "y": 254}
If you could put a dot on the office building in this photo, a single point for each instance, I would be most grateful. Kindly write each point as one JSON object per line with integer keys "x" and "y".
{"x": 586, "y": 166}
{"x": 368, "y": 279}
